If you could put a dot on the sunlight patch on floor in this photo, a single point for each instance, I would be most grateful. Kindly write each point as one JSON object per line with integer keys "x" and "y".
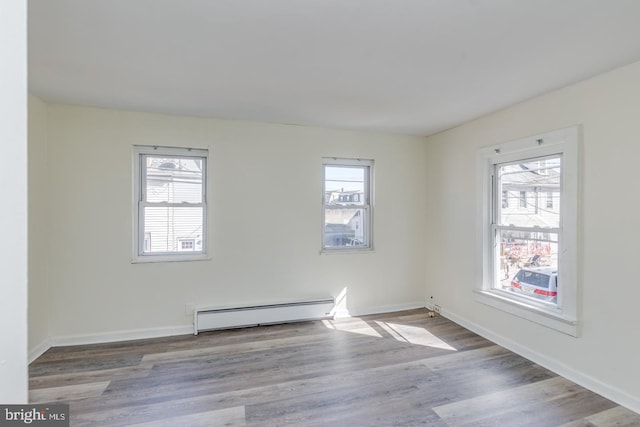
{"x": 414, "y": 335}
{"x": 352, "y": 325}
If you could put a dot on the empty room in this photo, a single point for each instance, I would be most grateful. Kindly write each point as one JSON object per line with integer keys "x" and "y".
{"x": 309, "y": 213}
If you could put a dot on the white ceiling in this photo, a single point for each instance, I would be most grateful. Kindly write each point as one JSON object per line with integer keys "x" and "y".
{"x": 401, "y": 66}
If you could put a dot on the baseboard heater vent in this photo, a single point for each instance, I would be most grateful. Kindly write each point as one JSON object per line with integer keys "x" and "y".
{"x": 206, "y": 319}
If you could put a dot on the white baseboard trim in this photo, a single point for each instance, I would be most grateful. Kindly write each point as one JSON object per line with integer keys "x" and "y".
{"x": 620, "y": 397}
{"x": 39, "y": 350}
{"x": 136, "y": 334}
{"x": 386, "y": 308}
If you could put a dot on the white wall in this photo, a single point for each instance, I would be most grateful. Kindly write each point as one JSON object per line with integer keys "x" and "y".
{"x": 38, "y": 227}
{"x": 608, "y": 108}
{"x": 265, "y": 222}
{"x": 13, "y": 215}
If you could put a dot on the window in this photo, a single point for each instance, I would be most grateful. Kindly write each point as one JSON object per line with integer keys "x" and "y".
{"x": 186, "y": 244}
{"x": 523, "y": 199}
{"x": 521, "y": 238}
{"x": 170, "y": 207}
{"x": 346, "y": 206}
{"x": 505, "y": 199}
{"x": 529, "y": 258}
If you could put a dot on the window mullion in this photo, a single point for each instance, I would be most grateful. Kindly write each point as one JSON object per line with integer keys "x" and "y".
{"x": 142, "y": 161}
{"x": 204, "y": 180}
{"x": 172, "y": 205}
{"x": 141, "y": 230}
{"x": 554, "y": 230}
{"x": 346, "y": 207}
{"x": 493, "y": 214}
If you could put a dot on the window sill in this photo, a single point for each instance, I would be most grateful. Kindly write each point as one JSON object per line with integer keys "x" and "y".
{"x": 548, "y": 317}
{"x": 169, "y": 258}
{"x": 346, "y": 251}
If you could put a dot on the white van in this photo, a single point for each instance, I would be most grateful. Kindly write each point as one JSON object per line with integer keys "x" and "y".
{"x": 537, "y": 282}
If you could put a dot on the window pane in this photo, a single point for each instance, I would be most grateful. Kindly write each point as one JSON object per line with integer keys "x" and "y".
{"x": 528, "y": 263}
{"x": 534, "y": 188}
{"x": 344, "y": 227}
{"x": 172, "y": 229}
{"x": 344, "y": 185}
{"x": 174, "y": 180}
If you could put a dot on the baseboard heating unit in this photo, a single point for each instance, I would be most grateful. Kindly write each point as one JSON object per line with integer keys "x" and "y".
{"x": 206, "y": 319}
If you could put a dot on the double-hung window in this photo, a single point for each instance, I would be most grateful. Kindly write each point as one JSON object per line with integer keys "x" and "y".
{"x": 170, "y": 210}
{"x": 347, "y": 204}
{"x": 529, "y": 251}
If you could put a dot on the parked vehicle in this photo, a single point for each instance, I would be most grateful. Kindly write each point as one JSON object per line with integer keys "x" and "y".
{"x": 534, "y": 261}
{"x": 355, "y": 242}
{"x": 537, "y": 282}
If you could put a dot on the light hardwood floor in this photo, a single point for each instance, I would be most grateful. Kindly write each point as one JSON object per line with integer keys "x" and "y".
{"x": 396, "y": 369}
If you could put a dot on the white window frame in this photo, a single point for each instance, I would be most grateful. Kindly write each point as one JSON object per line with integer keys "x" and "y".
{"x": 147, "y": 242}
{"x": 562, "y": 316}
{"x": 139, "y": 185}
{"x": 367, "y": 205}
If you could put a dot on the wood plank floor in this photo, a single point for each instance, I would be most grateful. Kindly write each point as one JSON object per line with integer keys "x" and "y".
{"x": 396, "y": 369}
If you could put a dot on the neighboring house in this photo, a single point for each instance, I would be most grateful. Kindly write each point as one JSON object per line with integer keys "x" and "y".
{"x": 531, "y": 198}
{"x": 532, "y": 193}
{"x": 344, "y": 227}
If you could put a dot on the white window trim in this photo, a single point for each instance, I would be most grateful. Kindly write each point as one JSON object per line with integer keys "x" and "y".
{"x": 137, "y": 220}
{"x": 368, "y": 205}
{"x": 563, "y": 316}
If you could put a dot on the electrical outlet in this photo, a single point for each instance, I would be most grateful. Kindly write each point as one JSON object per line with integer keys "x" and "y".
{"x": 436, "y": 308}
